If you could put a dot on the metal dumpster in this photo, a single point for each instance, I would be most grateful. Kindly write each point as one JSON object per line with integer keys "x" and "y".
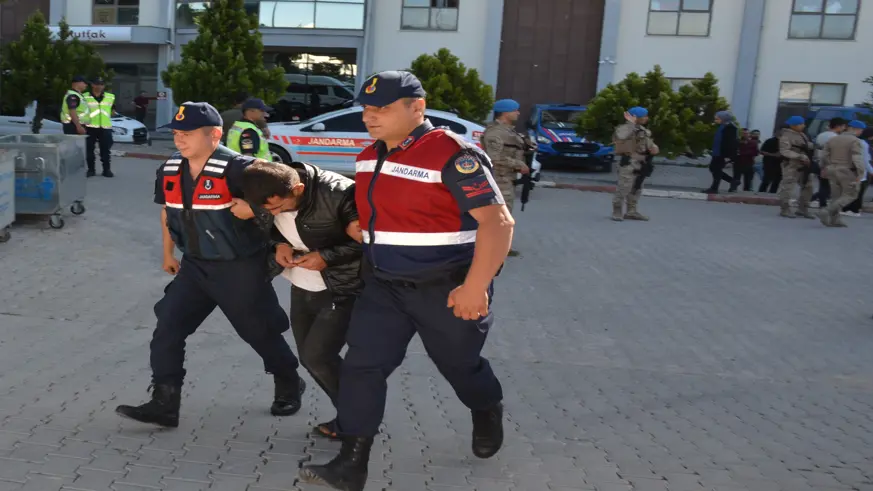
{"x": 7, "y": 193}
{"x": 49, "y": 174}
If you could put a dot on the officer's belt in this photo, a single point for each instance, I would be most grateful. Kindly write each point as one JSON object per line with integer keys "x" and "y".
{"x": 456, "y": 276}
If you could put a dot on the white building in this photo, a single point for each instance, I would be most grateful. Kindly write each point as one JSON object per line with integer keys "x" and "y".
{"x": 773, "y": 58}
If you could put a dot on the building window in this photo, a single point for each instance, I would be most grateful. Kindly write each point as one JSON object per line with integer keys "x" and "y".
{"x": 679, "y": 17}
{"x": 297, "y": 14}
{"x": 678, "y": 83}
{"x": 812, "y": 94}
{"x": 823, "y": 19}
{"x": 116, "y": 12}
{"x": 437, "y": 15}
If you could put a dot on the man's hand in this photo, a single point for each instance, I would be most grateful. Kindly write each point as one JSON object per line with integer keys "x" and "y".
{"x": 524, "y": 169}
{"x": 80, "y": 129}
{"x": 266, "y": 132}
{"x": 354, "y": 231}
{"x": 171, "y": 264}
{"x": 468, "y": 303}
{"x": 629, "y": 118}
{"x": 654, "y": 150}
{"x": 285, "y": 255}
{"x": 312, "y": 261}
{"x": 241, "y": 209}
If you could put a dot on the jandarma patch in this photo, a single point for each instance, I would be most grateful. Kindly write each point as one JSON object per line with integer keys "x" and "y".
{"x": 466, "y": 164}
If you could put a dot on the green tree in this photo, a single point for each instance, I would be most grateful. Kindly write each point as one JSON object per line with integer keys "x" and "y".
{"x": 451, "y": 86}
{"x": 226, "y": 57}
{"x": 698, "y": 102}
{"x": 39, "y": 68}
{"x": 652, "y": 91}
{"x": 867, "y": 118}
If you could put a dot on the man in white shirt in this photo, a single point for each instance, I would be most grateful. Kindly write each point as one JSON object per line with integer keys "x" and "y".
{"x": 317, "y": 240}
{"x": 835, "y": 127}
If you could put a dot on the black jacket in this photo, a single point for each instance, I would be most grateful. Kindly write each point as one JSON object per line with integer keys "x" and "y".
{"x": 327, "y": 207}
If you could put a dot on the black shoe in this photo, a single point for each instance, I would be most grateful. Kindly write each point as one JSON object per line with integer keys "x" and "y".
{"x": 513, "y": 253}
{"x": 288, "y": 393}
{"x": 108, "y": 173}
{"x": 326, "y": 430}
{"x": 90, "y": 173}
{"x": 347, "y": 471}
{"x": 162, "y": 410}
{"x": 487, "y": 431}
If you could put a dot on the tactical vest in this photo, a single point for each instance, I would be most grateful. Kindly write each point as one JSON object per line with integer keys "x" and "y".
{"x": 100, "y": 112}
{"x": 233, "y": 139}
{"x": 203, "y": 227}
{"x": 82, "y": 110}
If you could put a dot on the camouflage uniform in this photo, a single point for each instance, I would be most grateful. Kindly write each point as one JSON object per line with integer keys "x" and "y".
{"x": 795, "y": 148}
{"x": 633, "y": 142}
{"x": 505, "y": 147}
{"x": 843, "y": 160}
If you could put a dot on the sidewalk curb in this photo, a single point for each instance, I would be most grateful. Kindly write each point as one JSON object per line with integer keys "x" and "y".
{"x": 138, "y": 155}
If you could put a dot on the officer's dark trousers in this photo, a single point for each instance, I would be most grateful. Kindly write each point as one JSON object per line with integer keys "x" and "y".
{"x": 385, "y": 317}
{"x": 103, "y": 138}
{"x": 320, "y": 321}
{"x": 243, "y": 292}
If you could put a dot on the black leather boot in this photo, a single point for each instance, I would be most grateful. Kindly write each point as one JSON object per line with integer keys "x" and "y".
{"x": 347, "y": 471}
{"x": 487, "y": 431}
{"x": 287, "y": 395}
{"x": 162, "y": 410}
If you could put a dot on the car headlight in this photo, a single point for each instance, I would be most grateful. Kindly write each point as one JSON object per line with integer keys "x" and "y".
{"x": 119, "y": 131}
{"x": 542, "y": 139}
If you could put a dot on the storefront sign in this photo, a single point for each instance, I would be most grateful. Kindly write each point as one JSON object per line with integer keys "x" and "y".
{"x": 162, "y": 96}
{"x": 98, "y": 34}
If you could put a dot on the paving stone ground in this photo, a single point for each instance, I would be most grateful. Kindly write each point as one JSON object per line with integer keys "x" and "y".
{"x": 717, "y": 347}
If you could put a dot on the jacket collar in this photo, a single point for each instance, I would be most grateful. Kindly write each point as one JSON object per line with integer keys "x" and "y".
{"x": 309, "y": 177}
{"x": 413, "y": 137}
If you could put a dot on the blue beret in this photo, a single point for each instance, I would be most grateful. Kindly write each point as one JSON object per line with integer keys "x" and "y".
{"x": 193, "y": 115}
{"x": 638, "y": 112}
{"x": 795, "y": 120}
{"x": 385, "y": 88}
{"x": 506, "y": 106}
{"x": 857, "y": 124}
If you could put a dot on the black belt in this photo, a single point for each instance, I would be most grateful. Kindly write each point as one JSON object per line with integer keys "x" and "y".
{"x": 455, "y": 276}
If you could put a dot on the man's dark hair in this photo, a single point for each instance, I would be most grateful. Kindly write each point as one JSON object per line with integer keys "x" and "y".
{"x": 837, "y": 122}
{"x": 264, "y": 179}
{"x": 497, "y": 115}
{"x": 867, "y": 133}
{"x": 240, "y": 97}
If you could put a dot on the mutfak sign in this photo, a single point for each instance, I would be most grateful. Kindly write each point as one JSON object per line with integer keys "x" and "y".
{"x": 97, "y": 34}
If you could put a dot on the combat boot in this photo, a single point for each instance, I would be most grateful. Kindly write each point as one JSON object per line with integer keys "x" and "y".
{"x": 825, "y": 218}
{"x": 162, "y": 410}
{"x": 616, "y": 212}
{"x": 487, "y": 431}
{"x": 787, "y": 213}
{"x": 347, "y": 471}
{"x": 805, "y": 214}
{"x": 288, "y": 394}
{"x": 836, "y": 221}
{"x": 633, "y": 214}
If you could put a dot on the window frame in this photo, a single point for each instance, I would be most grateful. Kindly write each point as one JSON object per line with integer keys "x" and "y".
{"x": 359, "y": 114}
{"x": 823, "y": 16}
{"x": 115, "y": 7}
{"x": 429, "y": 9}
{"x": 679, "y": 19}
{"x": 812, "y": 86}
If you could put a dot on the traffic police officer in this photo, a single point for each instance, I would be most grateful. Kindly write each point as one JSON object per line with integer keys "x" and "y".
{"x": 797, "y": 149}
{"x": 224, "y": 265}
{"x": 74, "y": 111}
{"x": 633, "y": 143}
{"x": 420, "y": 274}
{"x": 101, "y": 106}
{"x": 245, "y": 136}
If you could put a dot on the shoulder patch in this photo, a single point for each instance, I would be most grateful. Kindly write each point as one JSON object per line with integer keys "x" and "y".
{"x": 466, "y": 164}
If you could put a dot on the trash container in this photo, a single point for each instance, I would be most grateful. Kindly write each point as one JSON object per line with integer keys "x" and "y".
{"x": 7, "y": 193}
{"x": 49, "y": 174}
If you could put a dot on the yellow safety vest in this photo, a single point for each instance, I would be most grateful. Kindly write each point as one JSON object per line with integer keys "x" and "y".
{"x": 100, "y": 112}
{"x": 82, "y": 110}
{"x": 233, "y": 139}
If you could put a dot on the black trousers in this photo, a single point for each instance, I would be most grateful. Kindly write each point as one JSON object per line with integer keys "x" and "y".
{"x": 744, "y": 173}
{"x": 103, "y": 138}
{"x": 716, "y": 168}
{"x": 772, "y": 176}
{"x": 243, "y": 291}
{"x": 70, "y": 129}
{"x": 141, "y": 114}
{"x": 855, "y": 206}
{"x": 824, "y": 192}
{"x": 385, "y": 318}
{"x": 320, "y": 321}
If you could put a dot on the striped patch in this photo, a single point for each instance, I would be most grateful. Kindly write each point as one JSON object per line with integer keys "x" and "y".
{"x": 402, "y": 171}
{"x": 421, "y": 239}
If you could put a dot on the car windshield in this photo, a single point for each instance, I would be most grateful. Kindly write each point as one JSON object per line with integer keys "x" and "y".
{"x": 556, "y": 119}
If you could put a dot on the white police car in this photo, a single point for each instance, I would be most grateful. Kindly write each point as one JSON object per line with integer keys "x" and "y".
{"x": 333, "y": 140}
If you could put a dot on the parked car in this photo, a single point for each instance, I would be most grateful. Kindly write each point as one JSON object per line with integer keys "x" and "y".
{"x": 332, "y": 93}
{"x": 553, "y": 128}
{"x": 333, "y": 140}
{"x": 124, "y": 129}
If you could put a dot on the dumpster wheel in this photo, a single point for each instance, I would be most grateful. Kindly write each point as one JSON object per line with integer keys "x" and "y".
{"x": 56, "y": 221}
{"x": 5, "y": 235}
{"x": 77, "y": 208}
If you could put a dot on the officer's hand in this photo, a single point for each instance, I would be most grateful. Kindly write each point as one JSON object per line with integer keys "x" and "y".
{"x": 629, "y": 118}
{"x": 467, "y": 303}
{"x": 171, "y": 265}
{"x": 524, "y": 169}
{"x": 285, "y": 255}
{"x": 654, "y": 150}
{"x": 80, "y": 130}
{"x": 241, "y": 209}
{"x": 266, "y": 132}
{"x": 312, "y": 261}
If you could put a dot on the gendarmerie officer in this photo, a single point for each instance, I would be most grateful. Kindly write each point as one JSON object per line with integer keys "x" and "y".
{"x": 74, "y": 111}
{"x": 245, "y": 136}
{"x": 420, "y": 274}
{"x": 224, "y": 265}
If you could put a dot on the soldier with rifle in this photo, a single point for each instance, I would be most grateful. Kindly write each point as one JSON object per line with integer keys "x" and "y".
{"x": 634, "y": 146}
{"x": 798, "y": 150}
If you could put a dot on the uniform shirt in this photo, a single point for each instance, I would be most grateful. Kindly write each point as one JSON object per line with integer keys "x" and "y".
{"x": 306, "y": 279}
{"x": 233, "y": 115}
{"x": 233, "y": 175}
{"x": 820, "y": 141}
{"x": 73, "y": 102}
{"x": 414, "y": 203}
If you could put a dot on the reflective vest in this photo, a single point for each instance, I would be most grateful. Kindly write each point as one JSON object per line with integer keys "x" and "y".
{"x": 100, "y": 112}
{"x": 204, "y": 227}
{"x": 428, "y": 236}
{"x": 235, "y": 132}
{"x": 82, "y": 110}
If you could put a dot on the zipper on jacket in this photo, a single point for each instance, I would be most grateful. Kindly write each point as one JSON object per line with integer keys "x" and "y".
{"x": 371, "y": 226}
